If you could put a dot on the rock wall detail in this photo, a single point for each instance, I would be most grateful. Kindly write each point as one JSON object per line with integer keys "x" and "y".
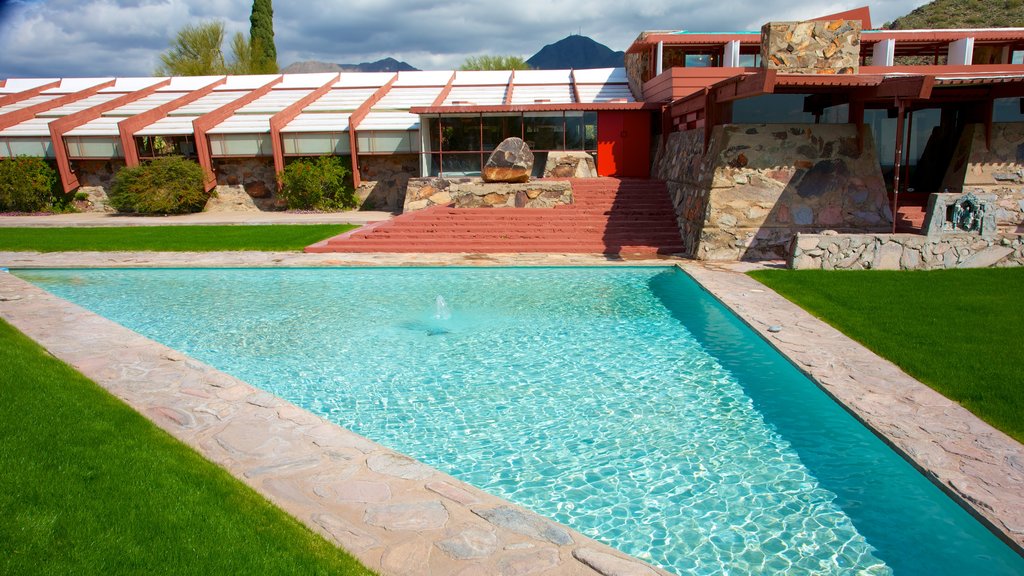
{"x": 997, "y": 169}
{"x": 95, "y": 178}
{"x": 570, "y": 164}
{"x": 833, "y": 251}
{"x": 385, "y": 179}
{"x": 254, "y": 176}
{"x": 475, "y": 193}
{"x": 759, "y": 184}
{"x": 817, "y": 47}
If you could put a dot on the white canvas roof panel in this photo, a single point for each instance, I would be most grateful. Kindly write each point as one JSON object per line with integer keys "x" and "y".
{"x": 315, "y": 80}
{"x": 208, "y": 103}
{"x": 273, "y": 101}
{"x": 246, "y": 82}
{"x": 306, "y": 122}
{"x": 189, "y": 83}
{"x": 541, "y": 77}
{"x": 33, "y": 127}
{"x": 83, "y": 104}
{"x": 363, "y": 79}
{"x": 102, "y": 126}
{"x": 601, "y": 76}
{"x": 418, "y": 78}
{"x": 132, "y": 84}
{"x": 244, "y": 124}
{"x": 72, "y": 85}
{"x": 604, "y": 93}
{"x": 27, "y": 102}
{"x": 476, "y": 95}
{"x": 341, "y": 100}
{"x": 405, "y": 98}
{"x": 481, "y": 77}
{"x": 549, "y": 94}
{"x": 169, "y": 126}
{"x": 143, "y": 104}
{"x": 389, "y": 121}
{"x": 15, "y": 85}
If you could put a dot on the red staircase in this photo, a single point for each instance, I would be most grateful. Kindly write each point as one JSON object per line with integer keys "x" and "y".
{"x": 609, "y": 216}
{"x": 910, "y": 212}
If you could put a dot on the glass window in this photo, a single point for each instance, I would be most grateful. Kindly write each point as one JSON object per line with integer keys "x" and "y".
{"x": 433, "y": 136}
{"x": 79, "y": 147}
{"x": 240, "y": 145}
{"x": 460, "y": 164}
{"x": 701, "y": 60}
{"x": 590, "y": 130}
{"x": 41, "y": 148}
{"x": 750, "y": 60}
{"x": 498, "y": 128}
{"x": 1008, "y": 110}
{"x": 1017, "y": 57}
{"x": 574, "y": 131}
{"x": 460, "y": 133}
{"x": 544, "y": 130}
{"x": 771, "y": 109}
{"x": 838, "y": 114}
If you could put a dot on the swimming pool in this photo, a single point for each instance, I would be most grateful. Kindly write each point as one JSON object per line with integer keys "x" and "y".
{"x": 624, "y": 402}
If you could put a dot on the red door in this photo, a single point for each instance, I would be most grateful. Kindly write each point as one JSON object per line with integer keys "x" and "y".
{"x": 624, "y": 144}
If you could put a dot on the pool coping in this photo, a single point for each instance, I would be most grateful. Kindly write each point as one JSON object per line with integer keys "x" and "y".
{"x": 300, "y": 454}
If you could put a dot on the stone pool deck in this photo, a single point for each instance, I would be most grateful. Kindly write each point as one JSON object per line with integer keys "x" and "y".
{"x": 399, "y": 516}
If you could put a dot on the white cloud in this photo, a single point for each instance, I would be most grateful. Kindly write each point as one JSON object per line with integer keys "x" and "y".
{"x": 125, "y": 37}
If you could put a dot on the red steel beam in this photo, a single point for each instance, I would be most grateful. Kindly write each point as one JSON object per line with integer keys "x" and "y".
{"x": 511, "y": 87}
{"x": 19, "y": 116}
{"x": 353, "y": 122}
{"x": 282, "y": 118}
{"x": 61, "y": 126}
{"x": 445, "y": 91}
{"x": 25, "y": 94}
{"x": 129, "y": 126}
{"x": 575, "y": 87}
{"x": 202, "y": 124}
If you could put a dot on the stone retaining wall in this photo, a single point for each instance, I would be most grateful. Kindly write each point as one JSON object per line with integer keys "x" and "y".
{"x": 255, "y": 176}
{"x": 997, "y": 169}
{"x": 814, "y": 47}
{"x": 385, "y": 179}
{"x": 833, "y": 251}
{"x": 95, "y": 178}
{"x": 475, "y": 193}
{"x": 759, "y": 184}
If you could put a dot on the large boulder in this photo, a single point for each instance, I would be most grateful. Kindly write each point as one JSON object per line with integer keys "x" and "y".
{"x": 511, "y": 161}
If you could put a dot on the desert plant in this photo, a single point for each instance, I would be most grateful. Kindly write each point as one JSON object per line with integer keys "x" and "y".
{"x": 27, "y": 184}
{"x": 168, "y": 185}
{"x": 321, "y": 183}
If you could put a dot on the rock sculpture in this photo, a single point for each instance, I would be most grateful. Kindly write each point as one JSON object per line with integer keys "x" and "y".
{"x": 511, "y": 161}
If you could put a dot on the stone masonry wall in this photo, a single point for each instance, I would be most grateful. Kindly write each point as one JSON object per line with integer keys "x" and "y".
{"x": 94, "y": 178}
{"x": 759, "y": 184}
{"x": 833, "y": 251}
{"x": 385, "y": 179}
{"x": 818, "y": 47}
{"x": 997, "y": 170}
{"x": 255, "y": 176}
{"x": 475, "y": 193}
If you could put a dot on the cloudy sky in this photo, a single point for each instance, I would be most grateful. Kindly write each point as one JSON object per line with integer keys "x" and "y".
{"x": 63, "y": 38}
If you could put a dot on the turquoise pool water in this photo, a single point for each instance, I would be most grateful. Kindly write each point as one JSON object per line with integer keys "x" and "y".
{"x": 624, "y": 402}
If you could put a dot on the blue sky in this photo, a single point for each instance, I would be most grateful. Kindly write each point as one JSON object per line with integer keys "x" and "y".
{"x": 64, "y": 38}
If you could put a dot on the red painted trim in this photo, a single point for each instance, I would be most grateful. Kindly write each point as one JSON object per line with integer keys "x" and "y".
{"x": 589, "y": 107}
{"x": 19, "y": 116}
{"x": 282, "y": 118}
{"x": 204, "y": 123}
{"x": 25, "y": 94}
{"x": 129, "y": 126}
{"x": 575, "y": 87}
{"x": 445, "y": 91}
{"x": 863, "y": 14}
{"x": 353, "y": 123}
{"x": 61, "y": 126}
{"x": 508, "y": 90}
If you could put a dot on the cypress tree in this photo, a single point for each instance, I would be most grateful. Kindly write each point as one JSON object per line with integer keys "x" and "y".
{"x": 261, "y": 31}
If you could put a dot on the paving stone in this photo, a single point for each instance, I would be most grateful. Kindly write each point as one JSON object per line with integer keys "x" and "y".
{"x": 357, "y": 491}
{"x": 399, "y": 466}
{"x": 344, "y": 533}
{"x": 452, "y": 492}
{"x": 526, "y": 563}
{"x": 525, "y": 523}
{"x": 611, "y": 565}
{"x": 412, "y": 516}
{"x": 470, "y": 543}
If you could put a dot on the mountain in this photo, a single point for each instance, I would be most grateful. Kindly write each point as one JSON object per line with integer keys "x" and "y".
{"x": 963, "y": 14}
{"x": 576, "y": 51}
{"x": 384, "y": 65}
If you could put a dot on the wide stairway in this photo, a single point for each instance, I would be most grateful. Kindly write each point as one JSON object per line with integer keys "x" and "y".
{"x": 910, "y": 212}
{"x": 609, "y": 216}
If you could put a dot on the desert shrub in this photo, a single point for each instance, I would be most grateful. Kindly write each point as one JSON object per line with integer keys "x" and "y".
{"x": 169, "y": 185}
{"x": 321, "y": 183}
{"x": 28, "y": 184}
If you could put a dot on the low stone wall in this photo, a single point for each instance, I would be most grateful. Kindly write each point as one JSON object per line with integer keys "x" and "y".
{"x": 475, "y": 193}
{"x": 996, "y": 169}
{"x": 833, "y": 251}
{"x": 95, "y": 178}
{"x": 255, "y": 176}
{"x": 759, "y": 184}
{"x": 385, "y": 179}
{"x": 570, "y": 165}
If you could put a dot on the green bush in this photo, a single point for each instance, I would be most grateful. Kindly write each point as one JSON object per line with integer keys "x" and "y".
{"x": 27, "y": 184}
{"x": 169, "y": 185}
{"x": 321, "y": 183}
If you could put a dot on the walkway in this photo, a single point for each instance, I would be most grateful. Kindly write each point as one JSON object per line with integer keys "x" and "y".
{"x": 95, "y": 219}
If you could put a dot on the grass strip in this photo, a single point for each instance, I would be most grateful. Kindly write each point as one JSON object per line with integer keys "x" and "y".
{"x": 275, "y": 237}
{"x": 958, "y": 331}
{"x": 89, "y": 486}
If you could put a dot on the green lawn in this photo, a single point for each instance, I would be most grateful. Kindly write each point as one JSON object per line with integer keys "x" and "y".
{"x": 959, "y": 331}
{"x": 169, "y": 238}
{"x": 88, "y": 486}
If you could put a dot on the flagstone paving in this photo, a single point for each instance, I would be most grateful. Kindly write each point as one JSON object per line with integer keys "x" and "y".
{"x": 400, "y": 516}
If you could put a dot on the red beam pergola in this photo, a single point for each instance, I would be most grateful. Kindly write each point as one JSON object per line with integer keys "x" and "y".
{"x": 202, "y": 124}
{"x": 30, "y": 112}
{"x": 282, "y": 118}
{"x": 62, "y": 125}
{"x": 353, "y": 122}
{"x": 129, "y": 126}
{"x": 25, "y": 94}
